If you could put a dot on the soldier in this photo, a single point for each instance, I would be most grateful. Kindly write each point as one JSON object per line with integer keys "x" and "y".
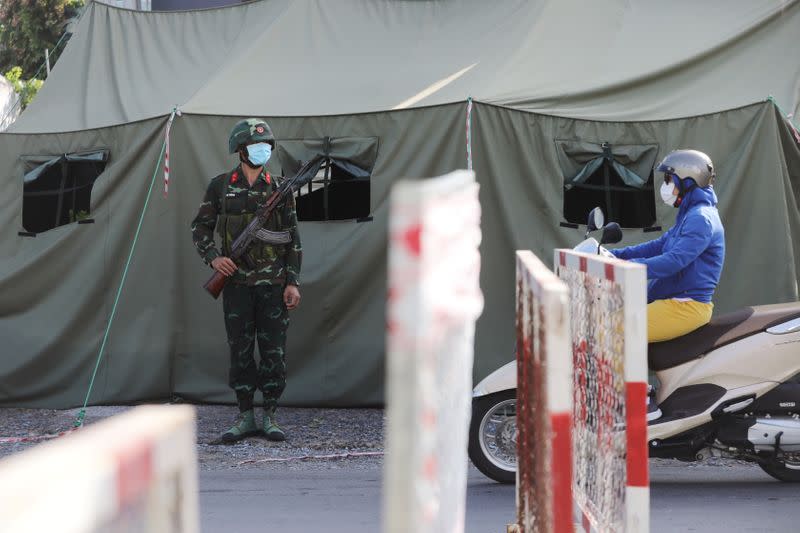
{"x": 263, "y": 288}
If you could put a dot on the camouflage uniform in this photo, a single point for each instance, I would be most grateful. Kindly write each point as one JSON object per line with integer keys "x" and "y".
{"x": 253, "y": 298}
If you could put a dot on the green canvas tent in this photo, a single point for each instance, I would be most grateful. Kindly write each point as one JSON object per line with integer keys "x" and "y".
{"x": 558, "y": 105}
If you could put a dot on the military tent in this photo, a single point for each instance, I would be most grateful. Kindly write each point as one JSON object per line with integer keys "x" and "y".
{"x": 557, "y": 105}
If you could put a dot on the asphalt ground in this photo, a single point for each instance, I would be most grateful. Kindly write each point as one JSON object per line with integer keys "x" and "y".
{"x": 327, "y": 477}
{"x": 345, "y": 496}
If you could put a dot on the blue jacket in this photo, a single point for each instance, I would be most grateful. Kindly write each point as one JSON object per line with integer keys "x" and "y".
{"x": 686, "y": 261}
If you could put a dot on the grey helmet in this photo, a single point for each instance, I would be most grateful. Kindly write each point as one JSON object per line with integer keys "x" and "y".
{"x": 684, "y": 164}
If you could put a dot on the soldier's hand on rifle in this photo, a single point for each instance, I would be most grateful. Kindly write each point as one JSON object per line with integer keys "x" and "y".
{"x": 224, "y": 265}
{"x": 291, "y": 296}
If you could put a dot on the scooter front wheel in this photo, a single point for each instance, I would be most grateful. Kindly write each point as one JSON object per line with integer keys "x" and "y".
{"x": 782, "y": 470}
{"x": 493, "y": 435}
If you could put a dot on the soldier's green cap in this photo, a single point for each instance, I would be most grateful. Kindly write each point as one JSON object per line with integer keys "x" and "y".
{"x": 248, "y": 131}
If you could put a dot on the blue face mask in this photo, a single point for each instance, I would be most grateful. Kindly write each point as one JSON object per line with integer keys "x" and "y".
{"x": 259, "y": 153}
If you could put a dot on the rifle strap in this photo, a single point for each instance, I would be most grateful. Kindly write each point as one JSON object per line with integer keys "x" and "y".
{"x": 223, "y": 206}
{"x": 224, "y": 200}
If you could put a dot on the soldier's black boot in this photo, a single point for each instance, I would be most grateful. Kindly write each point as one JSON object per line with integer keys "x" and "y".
{"x": 245, "y": 426}
{"x": 271, "y": 428}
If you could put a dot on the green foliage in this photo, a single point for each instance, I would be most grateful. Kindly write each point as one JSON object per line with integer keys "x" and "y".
{"x": 80, "y": 215}
{"x": 29, "y": 27}
{"x": 26, "y": 89}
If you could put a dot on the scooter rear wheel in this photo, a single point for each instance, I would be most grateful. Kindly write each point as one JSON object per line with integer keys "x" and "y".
{"x": 493, "y": 435}
{"x": 780, "y": 471}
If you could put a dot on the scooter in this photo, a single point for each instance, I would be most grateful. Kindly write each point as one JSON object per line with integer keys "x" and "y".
{"x": 729, "y": 389}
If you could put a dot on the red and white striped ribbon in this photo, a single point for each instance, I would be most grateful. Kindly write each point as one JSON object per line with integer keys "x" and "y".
{"x": 348, "y": 455}
{"x": 35, "y": 438}
{"x": 166, "y": 150}
{"x": 469, "y": 133}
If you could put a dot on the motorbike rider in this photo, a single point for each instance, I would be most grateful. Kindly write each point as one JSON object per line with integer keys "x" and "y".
{"x": 685, "y": 263}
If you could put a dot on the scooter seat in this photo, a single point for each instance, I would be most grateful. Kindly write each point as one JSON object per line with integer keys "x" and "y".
{"x": 722, "y": 330}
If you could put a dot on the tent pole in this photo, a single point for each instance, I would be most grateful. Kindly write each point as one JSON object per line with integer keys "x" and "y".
{"x": 327, "y": 178}
{"x": 60, "y": 205}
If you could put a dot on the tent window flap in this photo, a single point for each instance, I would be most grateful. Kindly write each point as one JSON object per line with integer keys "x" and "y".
{"x": 57, "y": 189}
{"x": 341, "y": 189}
{"x": 617, "y": 178}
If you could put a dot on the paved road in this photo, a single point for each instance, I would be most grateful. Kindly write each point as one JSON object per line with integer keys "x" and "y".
{"x": 338, "y": 498}
{"x": 721, "y": 500}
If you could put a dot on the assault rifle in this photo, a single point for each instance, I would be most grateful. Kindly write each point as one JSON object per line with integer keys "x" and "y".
{"x": 256, "y": 231}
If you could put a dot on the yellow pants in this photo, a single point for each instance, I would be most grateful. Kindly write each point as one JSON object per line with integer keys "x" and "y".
{"x": 669, "y": 319}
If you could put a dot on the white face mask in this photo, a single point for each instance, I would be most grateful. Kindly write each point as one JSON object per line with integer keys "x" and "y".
{"x": 666, "y": 194}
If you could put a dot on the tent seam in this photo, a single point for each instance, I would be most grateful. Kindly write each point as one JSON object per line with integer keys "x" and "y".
{"x": 608, "y": 121}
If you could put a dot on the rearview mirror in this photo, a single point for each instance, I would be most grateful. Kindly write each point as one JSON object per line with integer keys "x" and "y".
{"x": 596, "y": 220}
{"x": 612, "y": 234}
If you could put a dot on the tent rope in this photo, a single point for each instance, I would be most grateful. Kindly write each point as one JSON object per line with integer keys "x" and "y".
{"x": 82, "y": 413}
{"x": 469, "y": 133}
